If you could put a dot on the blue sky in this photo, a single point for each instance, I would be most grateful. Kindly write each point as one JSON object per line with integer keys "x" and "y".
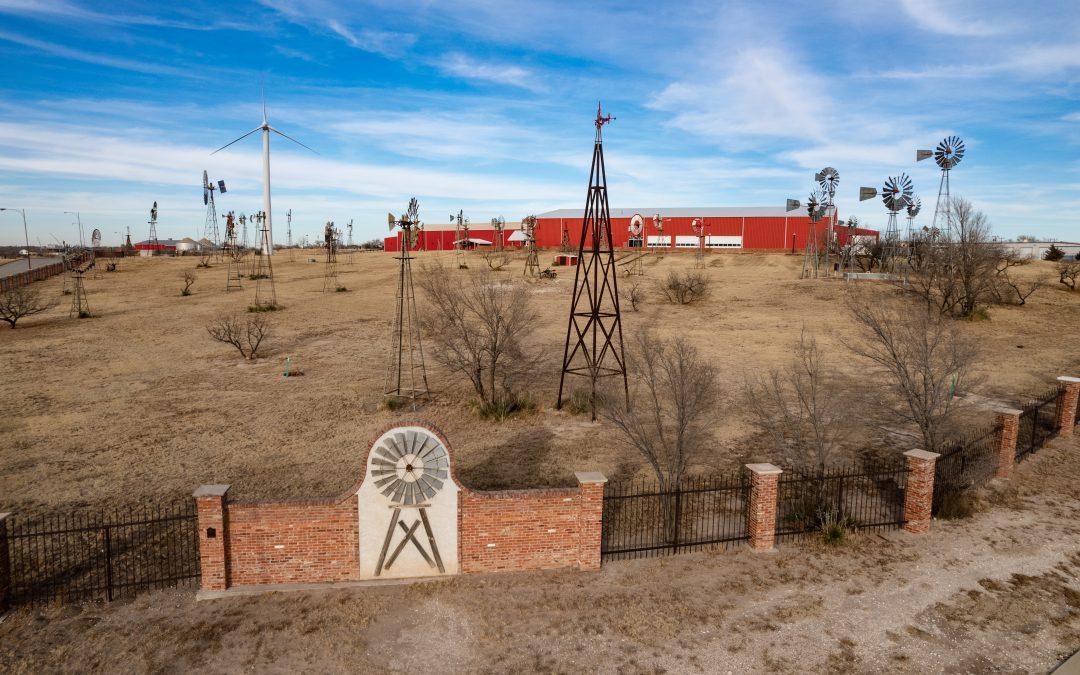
{"x": 486, "y": 106}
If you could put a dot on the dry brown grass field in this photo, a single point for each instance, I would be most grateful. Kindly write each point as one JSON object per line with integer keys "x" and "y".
{"x": 138, "y": 403}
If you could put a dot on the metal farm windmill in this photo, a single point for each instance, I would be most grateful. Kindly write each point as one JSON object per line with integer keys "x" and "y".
{"x": 265, "y": 128}
{"x": 947, "y": 155}
{"x": 331, "y": 239}
{"x": 152, "y": 239}
{"x": 498, "y": 224}
{"x": 231, "y": 247}
{"x": 594, "y": 341}
{"x": 210, "y": 228}
{"x": 828, "y": 180}
{"x": 698, "y": 226}
{"x": 461, "y": 237}
{"x": 407, "y": 374}
{"x": 532, "y": 263}
{"x": 913, "y": 208}
{"x": 896, "y": 194}
{"x": 815, "y": 208}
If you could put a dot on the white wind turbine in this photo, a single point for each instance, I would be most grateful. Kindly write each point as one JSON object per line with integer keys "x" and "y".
{"x": 268, "y": 246}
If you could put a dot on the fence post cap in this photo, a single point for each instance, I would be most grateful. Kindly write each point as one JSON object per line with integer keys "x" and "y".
{"x": 1008, "y": 411}
{"x": 590, "y": 477}
{"x": 922, "y": 454}
{"x": 211, "y": 491}
{"x": 765, "y": 469}
{"x": 1068, "y": 378}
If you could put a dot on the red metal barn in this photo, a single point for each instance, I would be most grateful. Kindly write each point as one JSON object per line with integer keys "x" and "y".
{"x": 731, "y": 229}
{"x": 739, "y": 228}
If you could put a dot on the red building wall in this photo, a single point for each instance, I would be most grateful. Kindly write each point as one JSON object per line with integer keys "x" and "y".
{"x": 759, "y": 233}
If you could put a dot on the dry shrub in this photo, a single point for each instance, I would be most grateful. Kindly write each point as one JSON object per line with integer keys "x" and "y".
{"x": 189, "y": 280}
{"x": 1068, "y": 273}
{"x": 685, "y": 288}
{"x": 19, "y": 301}
{"x": 246, "y": 334}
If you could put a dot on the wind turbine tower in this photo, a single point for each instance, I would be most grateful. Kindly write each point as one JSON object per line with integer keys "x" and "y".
{"x": 265, "y": 128}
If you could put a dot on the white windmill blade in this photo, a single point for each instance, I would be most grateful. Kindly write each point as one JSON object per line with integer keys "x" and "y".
{"x": 283, "y": 135}
{"x": 237, "y": 140}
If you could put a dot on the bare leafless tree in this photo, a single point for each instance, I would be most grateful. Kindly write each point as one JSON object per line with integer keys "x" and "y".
{"x": 189, "y": 279}
{"x": 673, "y": 402}
{"x": 684, "y": 288}
{"x": 497, "y": 260}
{"x": 246, "y": 334}
{"x": 633, "y": 294}
{"x": 1068, "y": 273}
{"x": 804, "y": 416}
{"x": 479, "y": 325}
{"x": 923, "y": 358}
{"x": 958, "y": 270}
{"x": 24, "y": 300}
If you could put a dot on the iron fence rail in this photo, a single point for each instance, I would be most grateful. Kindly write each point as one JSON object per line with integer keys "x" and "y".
{"x": 101, "y": 555}
{"x": 857, "y": 497}
{"x": 1038, "y": 421}
{"x": 640, "y": 519}
{"x": 965, "y": 463}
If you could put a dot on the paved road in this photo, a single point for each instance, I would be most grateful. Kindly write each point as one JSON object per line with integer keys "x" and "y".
{"x": 15, "y": 266}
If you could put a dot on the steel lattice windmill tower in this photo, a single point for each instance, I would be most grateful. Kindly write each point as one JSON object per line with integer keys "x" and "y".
{"x": 210, "y": 228}
{"x": 407, "y": 375}
{"x": 330, "y": 239}
{"x": 594, "y": 341}
{"x": 152, "y": 239}
{"x": 235, "y": 253}
{"x": 532, "y": 263}
{"x": 265, "y": 293}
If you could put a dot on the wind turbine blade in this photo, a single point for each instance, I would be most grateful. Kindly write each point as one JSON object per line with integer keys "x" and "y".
{"x": 291, "y": 139}
{"x": 237, "y": 140}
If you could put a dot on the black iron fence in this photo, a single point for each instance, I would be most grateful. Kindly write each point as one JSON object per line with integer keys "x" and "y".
{"x": 964, "y": 464}
{"x": 642, "y": 520}
{"x": 101, "y": 556}
{"x": 1038, "y": 421}
{"x": 855, "y": 498}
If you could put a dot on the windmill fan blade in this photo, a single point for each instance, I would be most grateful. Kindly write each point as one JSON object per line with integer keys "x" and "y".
{"x": 237, "y": 140}
{"x": 291, "y": 139}
{"x": 205, "y": 195}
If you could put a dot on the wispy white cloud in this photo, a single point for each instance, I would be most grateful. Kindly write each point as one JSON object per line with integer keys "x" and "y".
{"x": 951, "y": 17}
{"x": 64, "y": 52}
{"x": 387, "y": 43}
{"x": 469, "y": 68}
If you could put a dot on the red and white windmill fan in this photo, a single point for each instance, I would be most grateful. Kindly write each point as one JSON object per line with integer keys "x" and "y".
{"x": 637, "y": 225}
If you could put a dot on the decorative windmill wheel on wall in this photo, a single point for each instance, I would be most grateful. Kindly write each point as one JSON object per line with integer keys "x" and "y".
{"x": 637, "y": 226}
{"x": 410, "y": 468}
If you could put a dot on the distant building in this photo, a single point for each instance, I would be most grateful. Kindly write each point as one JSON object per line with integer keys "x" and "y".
{"x": 146, "y": 248}
{"x": 1036, "y": 249}
{"x": 738, "y": 228}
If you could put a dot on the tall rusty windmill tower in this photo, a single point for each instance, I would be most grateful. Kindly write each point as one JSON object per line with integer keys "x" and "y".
{"x": 594, "y": 342}
{"x": 407, "y": 375}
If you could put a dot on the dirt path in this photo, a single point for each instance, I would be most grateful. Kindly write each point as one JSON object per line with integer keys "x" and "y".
{"x": 1000, "y": 592}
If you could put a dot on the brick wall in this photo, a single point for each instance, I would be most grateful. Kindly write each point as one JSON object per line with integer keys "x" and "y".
{"x": 1008, "y": 430}
{"x": 519, "y": 529}
{"x": 293, "y": 542}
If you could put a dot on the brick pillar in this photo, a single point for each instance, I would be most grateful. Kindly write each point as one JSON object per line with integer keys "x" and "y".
{"x": 213, "y": 531}
{"x": 919, "y": 490}
{"x": 761, "y": 511}
{"x": 1008, "y": 420}
{"x": 1066, "y": 422}
{"x": 5, "y": 565}
{"x": 590, "y": 518}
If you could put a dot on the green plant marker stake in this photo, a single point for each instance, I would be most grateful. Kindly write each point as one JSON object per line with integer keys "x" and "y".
{"x": 288, "y": 362}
